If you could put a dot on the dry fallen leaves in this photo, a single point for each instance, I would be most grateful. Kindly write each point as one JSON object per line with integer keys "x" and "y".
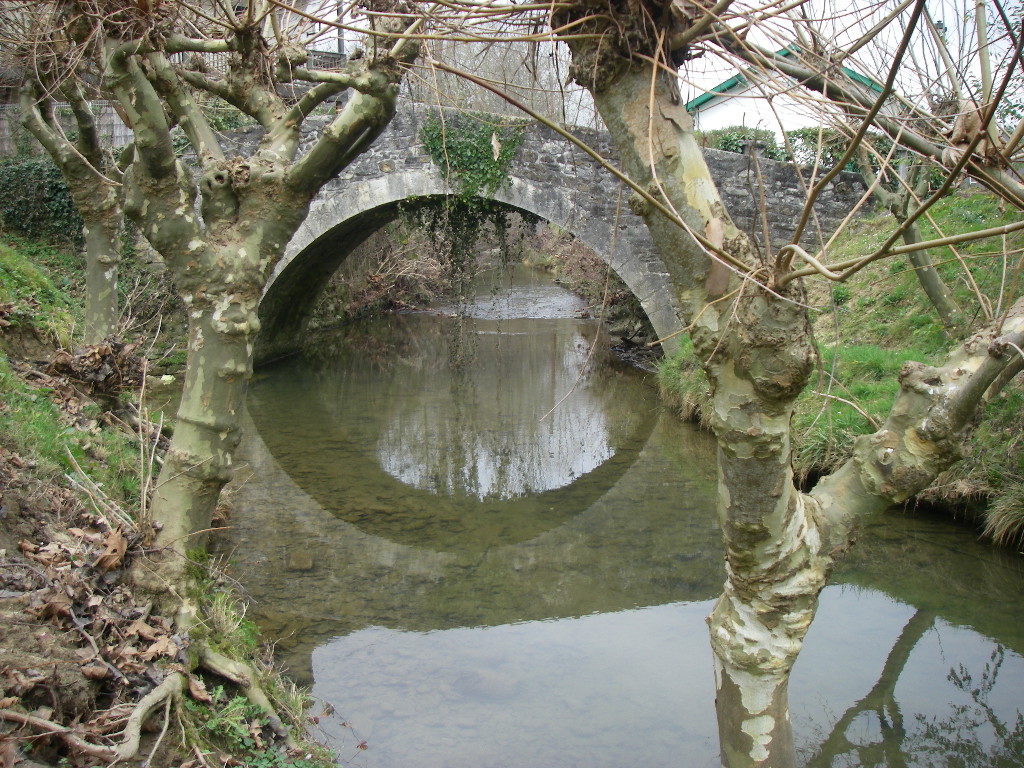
{"x": 8, "y": 753}
{"x": 164, "y": 646}
{"x": 94, "y": 669}
{"x": 197, "y": 689}
{"x": 116, "y": 546}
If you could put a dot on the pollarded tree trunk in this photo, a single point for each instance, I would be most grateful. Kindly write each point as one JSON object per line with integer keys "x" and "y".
{"x": 222, "y": 329}
{"x": 220, "y": 280}
{"x": 221, "y": 252}
{"x": 758, "y": 355}
{"x": 751, "y": 331}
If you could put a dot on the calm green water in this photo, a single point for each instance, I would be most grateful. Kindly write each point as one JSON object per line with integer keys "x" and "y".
{"x": 482, "y": 551}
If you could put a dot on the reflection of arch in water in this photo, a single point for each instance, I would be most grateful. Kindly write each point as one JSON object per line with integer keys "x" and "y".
{"x": 341, "y": 219}
{"x": 347, "y": 478}
{"x": 313, "y": 576}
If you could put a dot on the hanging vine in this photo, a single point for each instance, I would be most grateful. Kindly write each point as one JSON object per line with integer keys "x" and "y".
{"x": 475, "y": 152}
{"x": 474, "y": 149}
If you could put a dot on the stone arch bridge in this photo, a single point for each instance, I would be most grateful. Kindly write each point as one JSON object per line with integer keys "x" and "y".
{"x": 550, "y": 178}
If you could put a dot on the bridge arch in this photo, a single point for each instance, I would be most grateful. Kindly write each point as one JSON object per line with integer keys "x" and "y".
{"x": 343, "y": 217}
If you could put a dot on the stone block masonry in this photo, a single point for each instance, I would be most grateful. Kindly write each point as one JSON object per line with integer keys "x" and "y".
{"x": 551, "y": 178}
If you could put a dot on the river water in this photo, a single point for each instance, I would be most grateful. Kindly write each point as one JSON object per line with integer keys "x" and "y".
{"x": 484, "y": 544}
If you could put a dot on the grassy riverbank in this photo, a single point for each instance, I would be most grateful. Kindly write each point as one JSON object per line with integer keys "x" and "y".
{"x": 80, "y": 651}
{"x": 868, "y": 328}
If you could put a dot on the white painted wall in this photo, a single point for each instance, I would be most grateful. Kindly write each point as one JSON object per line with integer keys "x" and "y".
{"x": 750, "y": 109}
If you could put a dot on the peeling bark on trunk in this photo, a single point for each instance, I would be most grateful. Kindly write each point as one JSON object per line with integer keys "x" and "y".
{"x": 221, "y": 251}
{"x": 102, "y": 259}
{"x": 755, "y": 343}
{"x": 753, "y": 718}
{"x": 219, "y": 270}
{"x": 199, "y": 461}
{"x": 758, "y": 356}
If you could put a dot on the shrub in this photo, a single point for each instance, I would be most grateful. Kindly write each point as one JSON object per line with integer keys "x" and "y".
{"x": 736, "y": 138}
{"x": 35, "y": 201}
{"x": 823, "y": 147}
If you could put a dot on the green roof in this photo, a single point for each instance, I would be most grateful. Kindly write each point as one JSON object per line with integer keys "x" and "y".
{"x": 718, "y": 90}
{"x": 738, "y": 80}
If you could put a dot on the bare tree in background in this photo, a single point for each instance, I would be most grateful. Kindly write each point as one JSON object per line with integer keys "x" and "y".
{"x": 93, "y": 177}
{"x": 908, "y": 185}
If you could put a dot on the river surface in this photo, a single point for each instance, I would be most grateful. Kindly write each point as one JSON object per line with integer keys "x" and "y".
{"x": 483, "y": 544}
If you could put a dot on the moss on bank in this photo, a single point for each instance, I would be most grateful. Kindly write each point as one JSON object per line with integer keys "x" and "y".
{"x": 868, "y": 327}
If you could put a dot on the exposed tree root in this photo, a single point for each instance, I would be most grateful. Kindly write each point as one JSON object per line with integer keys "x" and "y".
{"x": 67, "y": 735}
{"x": 244, "y": 677}
{"x": 169, "y": 689}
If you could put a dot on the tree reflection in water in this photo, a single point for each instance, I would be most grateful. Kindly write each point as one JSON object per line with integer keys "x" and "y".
{"x": 972, "y": 736}
{"x": 589, "y": 599}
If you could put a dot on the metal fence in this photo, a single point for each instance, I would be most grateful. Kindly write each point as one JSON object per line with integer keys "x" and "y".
{"x": 14, "y": 139}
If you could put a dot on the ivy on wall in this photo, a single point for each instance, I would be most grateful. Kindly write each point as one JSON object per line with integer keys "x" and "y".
{"x": 35, "y": 201}
{"x": 475, "y": 150}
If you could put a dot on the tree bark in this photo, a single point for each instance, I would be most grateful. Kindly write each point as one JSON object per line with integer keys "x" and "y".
{"x": 221, "y": 252}
{"x": 904, "y": 203}
{"x": 758, "y": 355}
{"x": 934, "y": 287}
{"x": 199, "y": 461}
{"x": 754, "y": 340}
{"x": 96, "y": 198}
{"x": 102, "y": 260}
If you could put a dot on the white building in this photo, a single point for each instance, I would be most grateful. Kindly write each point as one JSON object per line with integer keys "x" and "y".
{"x": 757, "y": 99}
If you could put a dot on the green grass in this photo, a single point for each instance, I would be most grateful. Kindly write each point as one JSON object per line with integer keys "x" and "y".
{"x": 39, "y": 301}
{"x": 884, "y": 305}
{"x": 230, "y": 723}
{"x": 30, "y": 421}
{"x": 683, "y": 385}
{"x": 1004, "y": 521}
{"x": 869, "y": 326}
{"x": 852, "y": 394}
{"x": 33, "y": 425}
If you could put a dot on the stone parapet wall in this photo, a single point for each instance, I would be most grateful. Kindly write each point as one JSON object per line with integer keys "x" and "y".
{"x": 551, "y": 178}
{"x": 548, "y": 159}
